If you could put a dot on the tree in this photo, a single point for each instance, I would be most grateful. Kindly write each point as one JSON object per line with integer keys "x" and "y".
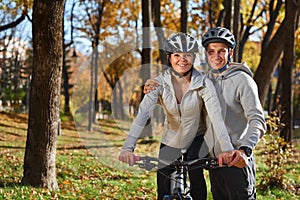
{"x": 95, "y": 20}
{"x": 156, "y": 18}
{"x": 12, "y": 50}
{"x": 271, "y": 54}
{"x": 40, "y": 152}
{"x": 15, "y": 23}
{"x": 146, "y": 50}
{"x": 184, "y": 16}
{"x": 288, "y": 62}
{"x": 13, "y": 9}
{"x": 66, "y": 64}
{"x": 146, "y": 55}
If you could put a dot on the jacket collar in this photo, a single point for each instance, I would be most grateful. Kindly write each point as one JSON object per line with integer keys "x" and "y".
{"x": 197, "y": 79}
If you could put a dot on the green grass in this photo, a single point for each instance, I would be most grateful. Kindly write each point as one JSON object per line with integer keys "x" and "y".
{"x": 87, "y": 167}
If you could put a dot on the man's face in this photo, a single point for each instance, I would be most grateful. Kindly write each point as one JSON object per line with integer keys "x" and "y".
{"x": 217, "y": 55}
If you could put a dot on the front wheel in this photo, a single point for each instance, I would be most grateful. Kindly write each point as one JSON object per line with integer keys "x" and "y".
{"x": 170, "y": 197}
{"x": 167, "y": 197}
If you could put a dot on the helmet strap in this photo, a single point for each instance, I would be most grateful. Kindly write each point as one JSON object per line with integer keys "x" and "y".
{"x": 218, "y": 71}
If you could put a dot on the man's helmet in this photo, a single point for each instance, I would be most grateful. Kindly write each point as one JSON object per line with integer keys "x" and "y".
{"x": 218, "y": 35}
{"x": 181, "y": 42}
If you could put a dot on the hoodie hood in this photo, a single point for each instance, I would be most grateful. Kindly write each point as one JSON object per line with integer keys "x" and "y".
{"x": 234, "y": 69}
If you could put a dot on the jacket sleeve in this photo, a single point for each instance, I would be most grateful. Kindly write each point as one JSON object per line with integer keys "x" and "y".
{"x": 214, "y": 112}
{"x": 145, "y": 109}
{"x": 248, "y": 95}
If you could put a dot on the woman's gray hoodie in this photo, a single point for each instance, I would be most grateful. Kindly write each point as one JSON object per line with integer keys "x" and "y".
{"x": 181, "y": 125}
{"x": 241, "y": 107}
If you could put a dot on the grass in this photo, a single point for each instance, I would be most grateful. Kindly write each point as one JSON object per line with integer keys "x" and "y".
{"x": 87, "y": 167}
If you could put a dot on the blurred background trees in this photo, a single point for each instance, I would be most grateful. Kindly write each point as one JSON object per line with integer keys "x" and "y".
{"x": 261, "y": 29}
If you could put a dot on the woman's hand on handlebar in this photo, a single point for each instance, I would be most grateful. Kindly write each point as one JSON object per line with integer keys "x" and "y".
{"x": 127, "y": 157}
{"x": 150, "y": 85}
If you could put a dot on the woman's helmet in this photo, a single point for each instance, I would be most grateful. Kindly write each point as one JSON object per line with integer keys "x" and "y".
{"x": 218, "y": 35}
{"x": 181, "y": 42}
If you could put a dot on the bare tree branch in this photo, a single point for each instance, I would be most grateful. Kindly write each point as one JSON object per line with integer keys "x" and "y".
{"x": 14, "y": 24}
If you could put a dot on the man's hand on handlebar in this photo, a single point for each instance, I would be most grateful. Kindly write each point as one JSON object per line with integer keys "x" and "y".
{"x": 235, "y": 158}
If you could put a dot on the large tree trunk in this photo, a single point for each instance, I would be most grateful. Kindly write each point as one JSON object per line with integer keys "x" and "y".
{"x": 40, "y": 153}
{"x": 272, "y": 55}
{"x": 269, "y": 61}
{"x": 287, "y": 67}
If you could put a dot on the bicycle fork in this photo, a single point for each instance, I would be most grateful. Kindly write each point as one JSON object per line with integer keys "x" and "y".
{"x": 179, "y": 185}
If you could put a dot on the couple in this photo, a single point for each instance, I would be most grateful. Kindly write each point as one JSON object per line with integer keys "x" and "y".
{"x": 217, "y": 115}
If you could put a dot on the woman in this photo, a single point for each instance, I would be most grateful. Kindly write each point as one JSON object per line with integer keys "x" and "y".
{"x": 183, "y": 92}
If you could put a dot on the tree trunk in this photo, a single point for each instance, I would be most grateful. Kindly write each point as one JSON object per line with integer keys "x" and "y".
{"x": 184, "y": 16}
{"x": 272, "y": 54}
{"x": 236, "y": 29}
{"x": 66, "y": 87}
{"x": 96, "y": 26}
{"x": 228, "y": 6}
{"x": 146, "y": 51}
{"x": 287, "y": 66}
{"x": 159, "y": 31}
{"x": 269, "y": 61}
{"x": 91, "y": 94}
{"x": 273, "y": 19}
{"x": 40, "y": 152}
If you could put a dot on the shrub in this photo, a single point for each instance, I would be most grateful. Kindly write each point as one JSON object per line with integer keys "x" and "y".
{"x": 277, "y": 156}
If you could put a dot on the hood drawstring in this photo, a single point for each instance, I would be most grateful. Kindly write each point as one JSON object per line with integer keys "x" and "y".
{"x": 222, "y": 83}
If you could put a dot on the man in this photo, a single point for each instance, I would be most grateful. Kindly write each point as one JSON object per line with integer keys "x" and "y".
{"x": 243, "y": 116}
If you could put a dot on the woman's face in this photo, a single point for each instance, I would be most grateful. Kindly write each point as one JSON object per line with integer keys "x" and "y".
{"x": 217, "y": 54}
{"x": 182, "y": 62}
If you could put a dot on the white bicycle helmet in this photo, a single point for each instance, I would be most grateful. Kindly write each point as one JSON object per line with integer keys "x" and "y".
{"x": 218, "y": 35}
{"x": 181, "y": 42}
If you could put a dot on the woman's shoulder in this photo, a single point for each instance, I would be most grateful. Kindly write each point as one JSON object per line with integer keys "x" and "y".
{"x": 163, "y": 76}
{"x": 198, "y": 78}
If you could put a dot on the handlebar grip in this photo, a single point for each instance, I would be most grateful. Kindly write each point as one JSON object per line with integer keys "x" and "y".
{"x": 137, "y": 158}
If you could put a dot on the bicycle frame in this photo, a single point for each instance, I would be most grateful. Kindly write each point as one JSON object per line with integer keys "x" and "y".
{"x": 180, "y": 187}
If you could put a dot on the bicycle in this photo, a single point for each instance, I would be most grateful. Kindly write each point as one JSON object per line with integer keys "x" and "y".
{"x": 180, "y": 188}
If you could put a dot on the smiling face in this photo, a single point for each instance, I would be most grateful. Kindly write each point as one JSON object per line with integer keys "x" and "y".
{"x": 217, "y": 55}
{"x": 182, "y": 62}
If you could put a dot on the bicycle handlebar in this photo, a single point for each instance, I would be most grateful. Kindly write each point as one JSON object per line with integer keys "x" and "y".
{"x": 146, "y": 162}
{"x": 150, "y": 163}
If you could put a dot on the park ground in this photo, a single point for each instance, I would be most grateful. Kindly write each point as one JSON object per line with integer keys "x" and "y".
{"x": 87, "y": 167}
